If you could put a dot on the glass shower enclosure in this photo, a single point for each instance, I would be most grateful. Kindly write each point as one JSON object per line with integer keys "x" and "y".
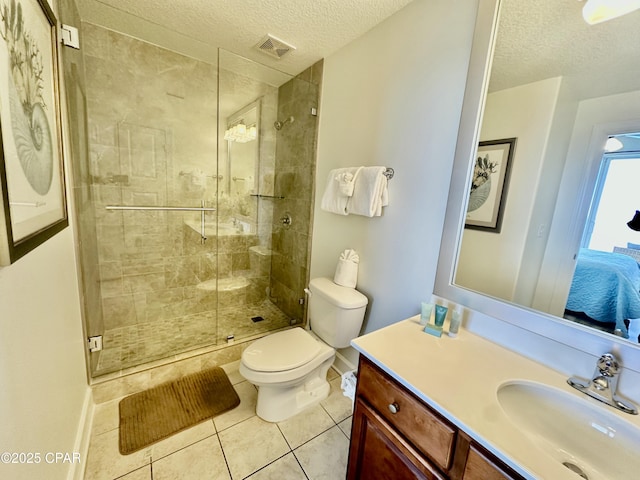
{"x": 193, "y": 188}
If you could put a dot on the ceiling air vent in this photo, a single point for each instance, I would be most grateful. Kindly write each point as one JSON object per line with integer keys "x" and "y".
{"x": 274, "y": 46}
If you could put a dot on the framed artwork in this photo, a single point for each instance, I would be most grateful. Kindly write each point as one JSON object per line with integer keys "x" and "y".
{"x": 489, "y": 185}
{"x": 31, "y": 169}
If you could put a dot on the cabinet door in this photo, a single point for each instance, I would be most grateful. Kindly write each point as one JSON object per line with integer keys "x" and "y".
{"x": 378, "y": 452}
{"x": 481, "y": 466}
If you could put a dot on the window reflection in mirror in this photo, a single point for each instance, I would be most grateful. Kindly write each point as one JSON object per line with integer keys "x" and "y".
{"x": 605, "y": 290}
{"x": 561, "y": 87}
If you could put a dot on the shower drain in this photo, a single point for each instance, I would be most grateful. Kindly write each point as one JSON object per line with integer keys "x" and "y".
{"x": 575, "y": 469}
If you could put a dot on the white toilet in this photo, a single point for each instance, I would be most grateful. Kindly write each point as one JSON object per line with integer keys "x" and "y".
{"x": 290, "y": 367}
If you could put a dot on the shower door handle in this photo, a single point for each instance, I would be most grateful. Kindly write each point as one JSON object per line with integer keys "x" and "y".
{"x": 154, "y": 208}
{"x": 202, "y": 210}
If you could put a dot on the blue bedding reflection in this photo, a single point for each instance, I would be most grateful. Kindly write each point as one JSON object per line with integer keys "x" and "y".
{"x": 606, "y": 287}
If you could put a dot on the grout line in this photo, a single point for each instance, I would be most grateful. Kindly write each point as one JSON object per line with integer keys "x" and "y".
{"x": 301, "y": 467}
{"x": 343, "y": 432}
{"x": 271, "y": 463}
{"x": 224, "y": 456}
{"x": 134, "y": 470}
{"x": 179, "y": 449}
{"x": 284, "y": 436}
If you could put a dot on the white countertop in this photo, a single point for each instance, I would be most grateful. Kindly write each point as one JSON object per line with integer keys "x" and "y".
{"x": 459, "y": 377}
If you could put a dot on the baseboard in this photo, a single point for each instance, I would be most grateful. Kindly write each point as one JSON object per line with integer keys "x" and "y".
{"x": 81, "y": 445}
{"x": 342, "y": 364}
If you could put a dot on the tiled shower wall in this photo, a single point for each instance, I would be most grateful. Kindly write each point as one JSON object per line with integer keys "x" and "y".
{"x": 295, "y": 174}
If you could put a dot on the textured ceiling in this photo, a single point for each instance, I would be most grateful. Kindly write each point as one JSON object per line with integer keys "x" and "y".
{"x": 536, "y": 39}
{"x": 546, "y": 38}
{"x": 196, "y": 28}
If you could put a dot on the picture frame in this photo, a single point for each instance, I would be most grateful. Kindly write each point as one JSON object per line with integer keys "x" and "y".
{"x": 489, "y": 185}
{"x": 34, "y": 206}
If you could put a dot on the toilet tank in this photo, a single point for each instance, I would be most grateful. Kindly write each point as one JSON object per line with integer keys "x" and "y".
{"x": 336, "y": 313}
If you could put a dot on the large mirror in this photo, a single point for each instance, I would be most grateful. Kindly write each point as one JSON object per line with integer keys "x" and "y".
{"x": 242, "y": 162}
{"x": 560, "y": 88}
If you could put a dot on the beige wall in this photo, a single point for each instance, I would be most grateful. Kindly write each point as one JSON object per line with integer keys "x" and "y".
{"x": 393, "y": 97}
{"x": 42, "y": 366}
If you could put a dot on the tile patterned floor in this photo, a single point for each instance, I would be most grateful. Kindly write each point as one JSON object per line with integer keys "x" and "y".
{"x": 234, "y": 445}
{"x": 132, "y": 345}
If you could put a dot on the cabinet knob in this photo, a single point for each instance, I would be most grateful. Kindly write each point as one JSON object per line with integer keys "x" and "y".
{"x": 394, "y": 407}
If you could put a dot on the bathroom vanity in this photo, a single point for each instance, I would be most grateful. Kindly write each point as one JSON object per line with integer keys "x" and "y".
{"x": 442, "y": 408}
{"x": 396, "y": 435}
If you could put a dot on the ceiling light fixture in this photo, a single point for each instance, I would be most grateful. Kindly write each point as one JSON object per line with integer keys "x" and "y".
{"x": 597, "y": 11}
{"x": 241, "y": 133}
{"x": 613, "y": 145}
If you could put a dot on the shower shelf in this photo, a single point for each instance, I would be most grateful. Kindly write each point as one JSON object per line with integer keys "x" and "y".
{"x": 228, "y": 284}
{"x": 257, "y": 195}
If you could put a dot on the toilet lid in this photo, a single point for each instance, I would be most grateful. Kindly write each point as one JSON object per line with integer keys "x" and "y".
{"x": 281, "y": 351}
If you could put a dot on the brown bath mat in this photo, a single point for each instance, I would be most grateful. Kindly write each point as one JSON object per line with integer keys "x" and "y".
{"x": 159, "y": 412}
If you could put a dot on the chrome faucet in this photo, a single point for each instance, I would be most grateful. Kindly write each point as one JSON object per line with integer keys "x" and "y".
{"x": 604, "y": 384}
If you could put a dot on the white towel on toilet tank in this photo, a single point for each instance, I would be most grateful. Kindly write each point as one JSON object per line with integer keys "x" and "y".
{"x": 347, "y": 269}
{"x": 370, "y": 193}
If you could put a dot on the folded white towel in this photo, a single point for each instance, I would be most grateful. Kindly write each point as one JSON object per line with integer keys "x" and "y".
{"x": 370, "y": 193}
{"x": 347, "y": 181}
{"x": 339, "y": 187}
{"x": 347, "y": 269}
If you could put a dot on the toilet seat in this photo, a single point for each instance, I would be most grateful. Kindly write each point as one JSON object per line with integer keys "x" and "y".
{"x": 281, "y": 351}
{"x": 256, "y": 373}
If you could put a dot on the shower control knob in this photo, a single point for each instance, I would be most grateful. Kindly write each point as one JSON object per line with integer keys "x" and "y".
{"x": 394, "y": 407}
{"x": 286, "y": 220}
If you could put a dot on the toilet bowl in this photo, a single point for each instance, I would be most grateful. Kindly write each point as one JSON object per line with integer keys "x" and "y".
{"x": 290, "y": 367}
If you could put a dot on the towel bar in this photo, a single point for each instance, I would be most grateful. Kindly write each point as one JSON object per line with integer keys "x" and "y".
{"x": 388, "y": 173}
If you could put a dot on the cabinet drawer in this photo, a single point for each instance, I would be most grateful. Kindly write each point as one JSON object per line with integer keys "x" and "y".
{"x": 429, "y": 433}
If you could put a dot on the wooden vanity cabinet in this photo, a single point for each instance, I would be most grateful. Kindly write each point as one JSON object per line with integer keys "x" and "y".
{"x": 396, "y": 436}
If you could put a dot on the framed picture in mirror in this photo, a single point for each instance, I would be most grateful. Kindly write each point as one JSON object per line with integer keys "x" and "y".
{"x": 31, "y": 169}
{"x": 489, "y": 185}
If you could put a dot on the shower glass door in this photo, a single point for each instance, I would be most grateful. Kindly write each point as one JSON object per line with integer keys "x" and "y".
{"x": 181, "y": 242}
{"x": 248, "y": 107}
{"x": 152, "y": 143}
{"x": 266, "y": 161}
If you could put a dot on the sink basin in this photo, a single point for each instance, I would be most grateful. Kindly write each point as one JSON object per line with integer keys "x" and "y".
{"x": 584, "y": 437}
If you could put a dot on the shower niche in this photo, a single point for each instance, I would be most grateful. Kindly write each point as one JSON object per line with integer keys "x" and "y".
{"x": 198, "y": 143}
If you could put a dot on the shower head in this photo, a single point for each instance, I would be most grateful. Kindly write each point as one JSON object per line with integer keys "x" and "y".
{"x": 279, "y": 124}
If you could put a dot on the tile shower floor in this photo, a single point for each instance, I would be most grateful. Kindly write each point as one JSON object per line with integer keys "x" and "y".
{"x": 133, "y": 345}
{"x": 234, "y": 445}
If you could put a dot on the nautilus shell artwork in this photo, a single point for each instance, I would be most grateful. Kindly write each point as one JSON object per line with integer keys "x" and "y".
{"x": 32, "y": 136}
{"x": 29, "y": 123}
